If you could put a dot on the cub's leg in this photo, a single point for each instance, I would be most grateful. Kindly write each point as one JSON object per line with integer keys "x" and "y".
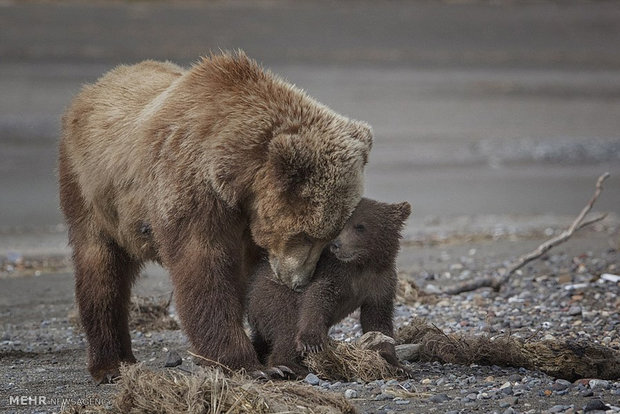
{"x": 284, "y": 354}
{"x": 104, "y": 274}
{"x": 378, "y": 316}
{"x": 319, "y": 303}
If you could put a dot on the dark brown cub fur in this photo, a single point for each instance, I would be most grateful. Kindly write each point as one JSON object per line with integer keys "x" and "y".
{"x": 356, "y": 271}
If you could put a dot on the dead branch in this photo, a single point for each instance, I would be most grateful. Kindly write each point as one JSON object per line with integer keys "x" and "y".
{"x": 497, "y": 282}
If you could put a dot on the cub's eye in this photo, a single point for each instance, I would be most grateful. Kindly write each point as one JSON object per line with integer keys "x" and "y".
{"x": 360, "y": 228}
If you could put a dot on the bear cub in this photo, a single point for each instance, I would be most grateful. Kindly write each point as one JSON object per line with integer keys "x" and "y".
{"x": 356, "y": 270}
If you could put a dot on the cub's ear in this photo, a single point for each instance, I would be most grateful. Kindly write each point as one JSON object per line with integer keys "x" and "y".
{"x": 402, "y": 210}
{"x": 292, "y": 166}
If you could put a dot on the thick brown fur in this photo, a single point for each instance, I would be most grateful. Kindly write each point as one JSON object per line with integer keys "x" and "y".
{"x": 357, "y": 270}
{"x": 203, "y": 170}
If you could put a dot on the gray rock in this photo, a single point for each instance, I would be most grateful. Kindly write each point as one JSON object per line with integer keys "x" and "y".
{"x": 506, "y": 390}
{"x": 173, "y": 359}
{"x": 559, "y": 408}
{"x": 439, "y": 398}
{"x": 350, "y": 393}
{"x": 559, "y": 386}
{"x": 598, "y": 383}
{"x": 515, "y": 378}
{"x": 470, "y": 397}
{"x": 512, "y": 400}
{"x": 373, "y": 339}
{"x": 574, "y": 310}
{"x": 509, "y": 410}
{"x": 408, "y": 352}
{"x": 563, "y": 381}
{"x": 312, "y": 379}
{"x": 595, "y": 405}
{"x": 383, "y": 397}
{"x": 401, "y": 402}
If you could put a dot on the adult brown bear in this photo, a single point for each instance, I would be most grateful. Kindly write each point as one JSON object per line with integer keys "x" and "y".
{"x": 202, "y": 170}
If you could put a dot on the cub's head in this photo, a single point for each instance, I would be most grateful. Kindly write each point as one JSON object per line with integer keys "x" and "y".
{"x": 371, "y": 235}
{"x": 310, "y": 184}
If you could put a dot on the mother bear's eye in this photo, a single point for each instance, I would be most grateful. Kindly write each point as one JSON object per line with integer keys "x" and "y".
{"x": 360, "y": 228}
{"x": 307, "y": 239}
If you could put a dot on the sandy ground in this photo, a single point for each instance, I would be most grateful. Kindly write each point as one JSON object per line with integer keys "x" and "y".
{"x": 492, "y": 118}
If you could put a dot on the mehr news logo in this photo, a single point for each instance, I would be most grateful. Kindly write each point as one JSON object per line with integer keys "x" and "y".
{"x": 42, "y": 400}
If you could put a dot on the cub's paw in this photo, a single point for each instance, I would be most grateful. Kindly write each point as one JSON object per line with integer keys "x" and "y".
{"x": 404, "y": 371}
{"x": 310, "y": 342}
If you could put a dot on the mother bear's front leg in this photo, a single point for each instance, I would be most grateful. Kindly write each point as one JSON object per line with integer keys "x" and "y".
{"x": 209, "y": 290}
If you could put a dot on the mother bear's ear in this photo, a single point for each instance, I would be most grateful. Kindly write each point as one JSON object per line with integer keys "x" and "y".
{"x": 319, "y": 162}
{"x": 363, "y": 133}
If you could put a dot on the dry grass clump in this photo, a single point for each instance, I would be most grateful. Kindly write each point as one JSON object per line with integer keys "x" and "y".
{"x": 408, "y": 293}
{"x": 151, "y": 314}
{"x": 145, "y": 314}
{"x": 210, "y": 391}
{"x": 561, "y": 359}
{"x": 343, "y": 361}
{"x": 458, "y": 349}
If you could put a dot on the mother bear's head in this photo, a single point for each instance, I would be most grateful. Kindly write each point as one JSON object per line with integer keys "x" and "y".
{"x": 309, "y": 186}
{"x": 294, "y": 165}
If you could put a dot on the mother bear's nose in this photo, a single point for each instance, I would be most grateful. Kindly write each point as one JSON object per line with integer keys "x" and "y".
{"x": 335, "y": 246}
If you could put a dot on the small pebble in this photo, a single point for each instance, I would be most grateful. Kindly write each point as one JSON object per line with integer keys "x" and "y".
{"x": 383, "y": 397}
{"x": 574, "y": 310}
{"x": 312, "y": 379}
{"x": 348, "y": 394}
{"x": 173, "y": 359}
{"x": 559, "y": 408}
{"x": 439, "y": 398}
{"x": 507, "y": 390}
{"x": 597, "y": 383}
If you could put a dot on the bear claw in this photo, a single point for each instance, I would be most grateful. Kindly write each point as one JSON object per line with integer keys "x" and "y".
{"x": 109, "y": 378}
{"x": 259, "y": 375}
{"x": 287, "y": 371}
{"x": 280, "y": 372}
{"x": 309, "y": 343}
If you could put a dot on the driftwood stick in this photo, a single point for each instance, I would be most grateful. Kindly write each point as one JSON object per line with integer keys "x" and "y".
{"x": 472, "y": 285}
{"x": 577, "y": 224}
{"x": 562, "y": 237}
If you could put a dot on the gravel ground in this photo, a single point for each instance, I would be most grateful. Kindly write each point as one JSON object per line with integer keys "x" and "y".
{"x": 560, "y": 296}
